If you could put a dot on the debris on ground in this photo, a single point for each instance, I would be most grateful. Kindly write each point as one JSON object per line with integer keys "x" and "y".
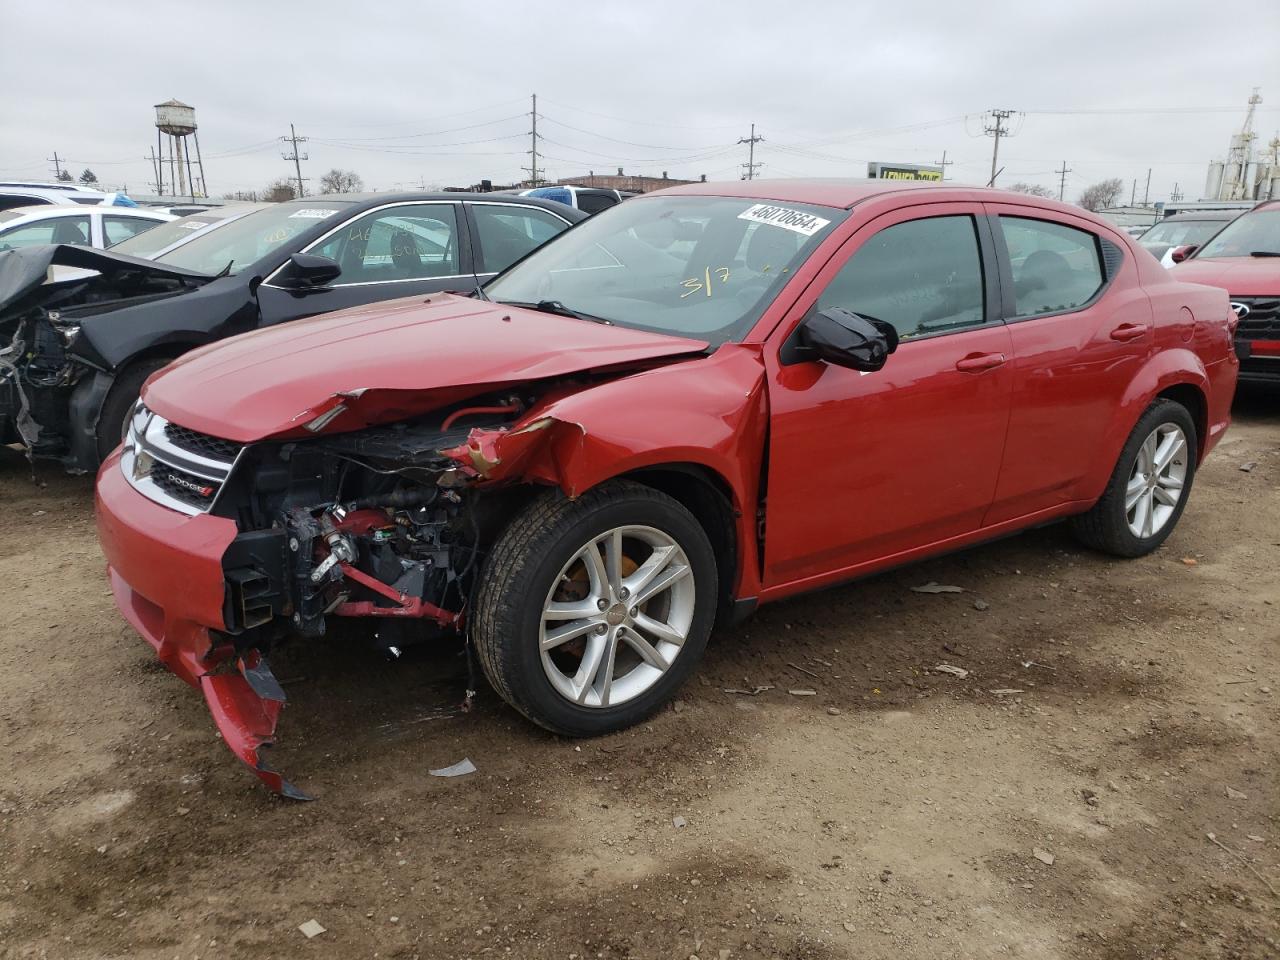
{"x": 934, "y": 587}
{"x": 1044, "y": 856}
{"x": 753, "y": 692}
{"x": 958, "y": 672}
{"x": 807, "y": 673}
{"x": 678, "y": 821}
{"x": 1090, "y": 796}
{"x": 1190, "y": 561}
{"x": 459, "y": 769}
{"x": 311, "y": 929}
{"x": 981, "y": 605}
{"x": 849, "y": 927}
{"x": 803, "y": 693}
{"x": 833, "y": 711}
{"x": 1248, "y": 467}
{"x": 1236, "y": 794}
{"x": 1007, "y": 691}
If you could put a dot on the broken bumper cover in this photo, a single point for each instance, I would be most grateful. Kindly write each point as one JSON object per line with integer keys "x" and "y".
{"x": 152, "y": 551}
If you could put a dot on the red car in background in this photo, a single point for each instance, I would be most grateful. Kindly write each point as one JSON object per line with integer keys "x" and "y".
{"x": 1243, "y": 258}
{"x": 694, "y": 402}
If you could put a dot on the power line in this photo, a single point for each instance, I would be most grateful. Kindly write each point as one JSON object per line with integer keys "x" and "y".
{"x": 57, "y": 165}
{"x": 997, "y": 130}
{"x": 750, "y": 165}
{"x": 295, "y": 156}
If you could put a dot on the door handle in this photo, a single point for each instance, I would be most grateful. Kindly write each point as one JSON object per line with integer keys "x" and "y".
{"x": 1128, "y": 331}
{"x": 979, "y": 361}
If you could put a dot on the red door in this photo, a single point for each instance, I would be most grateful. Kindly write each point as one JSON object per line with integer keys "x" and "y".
{"x": 1080, "y": 332}
{"x": 863, "y": 467}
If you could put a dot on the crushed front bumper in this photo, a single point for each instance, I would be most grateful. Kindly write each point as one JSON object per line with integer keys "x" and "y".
{"x": 154, "y": 552}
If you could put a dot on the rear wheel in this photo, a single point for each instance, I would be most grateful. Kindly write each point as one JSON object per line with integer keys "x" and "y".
{"x": 1149, "y": 487}
{"x": 590, "y": 613}
{"x": 120, "y": 400}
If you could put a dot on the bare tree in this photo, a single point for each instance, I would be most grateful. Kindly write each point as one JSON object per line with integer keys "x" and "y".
{"x": 250, "y": 196}
{"x": 1031, "y": 189}
{"x": 341, "y": 181}
{"x": 1102, "y": 194}
{"x": 279, "y": 190}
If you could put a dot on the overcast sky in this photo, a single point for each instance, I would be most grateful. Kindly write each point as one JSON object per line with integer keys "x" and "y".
{"x": 406, "y": 92}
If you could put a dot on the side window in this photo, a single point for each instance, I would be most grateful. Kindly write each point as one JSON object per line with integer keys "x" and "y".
{"x": 1055, "y": 267}
{"x": 508, "y": 233}
{"x": 10, "y": 200}
{"x": 412, "y": 242}
{"x": 72, "y": 230}
{"x": 122, "y": 228}
{"x": 922, "y": 276}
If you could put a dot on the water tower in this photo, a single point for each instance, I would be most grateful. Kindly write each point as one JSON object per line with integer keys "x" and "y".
{"x": 175, "y": 122}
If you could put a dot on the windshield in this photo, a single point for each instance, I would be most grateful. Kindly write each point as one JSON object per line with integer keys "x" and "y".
{"x": 150, "y": 242}
{"x": 1255, "y": 232}
{"x": 1176, "y": 233}
{"x": 245, "y": 241}
{"x": 702, "y": 267}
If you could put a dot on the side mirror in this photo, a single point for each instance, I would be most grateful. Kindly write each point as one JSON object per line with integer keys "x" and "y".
{"x": 845, "y": 339}
{"x": 304, "y": 271}
{"x": 1181, "y": 253}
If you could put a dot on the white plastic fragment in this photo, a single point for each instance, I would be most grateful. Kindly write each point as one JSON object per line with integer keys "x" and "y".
{"x": 311, "y": 929}
{"x": 934, "y": 587}
{"x": 959, "y": 672}
{"x": 1044, "y": 856}
{"x": 459, "y": 769}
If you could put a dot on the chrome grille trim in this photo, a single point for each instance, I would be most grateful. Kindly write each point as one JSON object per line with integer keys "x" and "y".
{"x": 147, "y": 442}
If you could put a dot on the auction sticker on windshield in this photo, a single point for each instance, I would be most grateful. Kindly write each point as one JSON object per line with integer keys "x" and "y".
{"x": 311, "y": 213}
{"x": 795, "y": 220}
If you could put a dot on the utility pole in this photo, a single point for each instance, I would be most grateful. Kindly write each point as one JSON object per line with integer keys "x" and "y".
{"x": 750, "y": 165}
{"x": 155, "y": 168}
{"x": 1176, "y": 195}
{"x": 1133, "y": 195}
{"x": 296, "y": 157}
{"x": 57, "y": 165}
{"x": 1062, "y": 179}
{"x": 944, "y": 163}
{"x": 997, "y": 129}
{"x": 1146, "y": 194}
{"x": 533, "y": 144}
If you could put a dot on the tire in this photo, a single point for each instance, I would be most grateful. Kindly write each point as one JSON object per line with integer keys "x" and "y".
{"x": 1109, "y": 525}
{"x": 120, "y": 400}
{"x": 541, "y": 558}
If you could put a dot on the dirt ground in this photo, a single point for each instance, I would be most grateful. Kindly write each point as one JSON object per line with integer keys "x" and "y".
{"x": 1114, "y": 714}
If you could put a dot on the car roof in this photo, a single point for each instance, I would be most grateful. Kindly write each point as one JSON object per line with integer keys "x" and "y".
{"x": 383, "y": 199}
{"x": 849, "y": 192}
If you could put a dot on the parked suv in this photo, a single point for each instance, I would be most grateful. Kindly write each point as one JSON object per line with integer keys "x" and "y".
{"x": 697, "y": 401}
{"x": 1243, "y": 258}
{"x": 75, "y": 350}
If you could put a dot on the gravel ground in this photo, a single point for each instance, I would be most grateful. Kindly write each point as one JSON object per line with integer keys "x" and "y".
{"x": 1055, "y": 802}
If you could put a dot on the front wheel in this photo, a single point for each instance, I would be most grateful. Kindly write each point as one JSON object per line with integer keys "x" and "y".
{"x": 1149, "y": 487}
{"x": 123, "y": 394}
{"x": 591, "y": 613}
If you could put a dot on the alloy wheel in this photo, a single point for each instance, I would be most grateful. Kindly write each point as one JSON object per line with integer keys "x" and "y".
{"x": 1157, "y": 480}
{"x": 617, "y": 616}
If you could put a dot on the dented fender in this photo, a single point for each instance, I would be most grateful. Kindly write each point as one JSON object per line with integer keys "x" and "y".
{"x": 711, "y": 412}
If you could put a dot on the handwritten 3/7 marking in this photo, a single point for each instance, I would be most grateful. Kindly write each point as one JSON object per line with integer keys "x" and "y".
{"x": 699, "y": 284}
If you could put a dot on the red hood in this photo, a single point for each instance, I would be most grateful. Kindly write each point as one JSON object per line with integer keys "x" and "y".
{"x": 1239, "y": 276}
{"x": 385, "y": 362}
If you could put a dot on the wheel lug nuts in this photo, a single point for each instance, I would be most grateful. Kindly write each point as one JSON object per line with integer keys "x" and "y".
{"x": 602, "y": 629}
{"x": 633, "y": 611}
{"x": 602, "y": 604}
{"x": 624, "y": 593}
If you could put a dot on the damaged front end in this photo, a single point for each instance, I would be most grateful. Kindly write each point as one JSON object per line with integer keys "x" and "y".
{"x": 388, "y": 522}
{"x": 46, "y": 383}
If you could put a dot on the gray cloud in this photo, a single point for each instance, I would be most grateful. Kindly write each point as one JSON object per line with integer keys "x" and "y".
{"x": 649, "y": 87}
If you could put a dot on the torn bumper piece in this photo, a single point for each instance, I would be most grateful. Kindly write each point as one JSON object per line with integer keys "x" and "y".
{"x": 152, "y": 551}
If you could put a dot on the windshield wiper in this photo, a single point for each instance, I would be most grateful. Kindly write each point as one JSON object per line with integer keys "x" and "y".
{"x": 1265, "y": 253}
{"x": 557, "y": 308}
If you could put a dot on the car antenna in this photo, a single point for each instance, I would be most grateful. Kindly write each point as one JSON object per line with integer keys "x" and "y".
{"x": 478, "y": 292}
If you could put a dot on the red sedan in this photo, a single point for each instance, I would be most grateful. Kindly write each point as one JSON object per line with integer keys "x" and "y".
{"x": 697, "y": 401}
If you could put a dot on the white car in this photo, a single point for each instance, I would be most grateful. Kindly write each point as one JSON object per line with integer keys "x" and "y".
{"x": 85, "y": 226}
{"x": 17, "y": 193}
